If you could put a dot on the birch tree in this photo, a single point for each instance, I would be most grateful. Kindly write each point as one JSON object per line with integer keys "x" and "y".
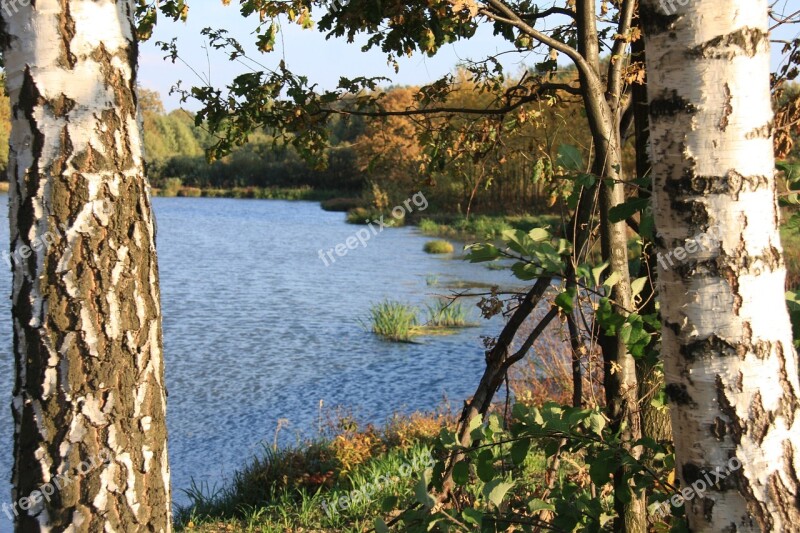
{"x": 731, "y": 369}
{"x": 89, "y": 399}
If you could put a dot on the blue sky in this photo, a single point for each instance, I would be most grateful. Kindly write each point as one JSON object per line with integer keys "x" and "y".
{"x": 306, "y": 52}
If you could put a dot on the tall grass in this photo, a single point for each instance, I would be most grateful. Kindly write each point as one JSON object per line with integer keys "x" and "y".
{"x": 394, "y": 321}
{"x": 483, "y": 227}
{"x": 298, "y": 488}
{"x": 447, "y": 314}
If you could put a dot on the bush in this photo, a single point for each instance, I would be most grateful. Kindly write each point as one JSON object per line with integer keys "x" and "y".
{"x": 438, "y": 247}
{"x": 171, "y": 187}
{"x": 190, "y": 192}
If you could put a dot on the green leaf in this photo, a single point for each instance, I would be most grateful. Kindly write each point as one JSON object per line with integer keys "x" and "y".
{"x": 600, "y": 470}
{"x": 519, "y": 451}
{"x": 536, "y": 505}
{"x": 570, "y": 158}
{"x": 496, "y": 490}
{"x": 566, "y": 300}
{"x": 461, "y": 473}
{"x": 539, "y": 234}
{"x": 612, "y": 280}
{"x": 638, "y": 286}
{"x": 472, "y": 516}
{"x": 597, "y": 273}
{"x": 475, "y": 423}
{"x": 421, "y": 491}
{"x": 596, "y": 423}
{"x": 485, "y": 467}
{"x": 624, "y": 211}
{"x": 389, "y": 504}
{"x": 481, "y": 253}
{"x": 380, "y": 526}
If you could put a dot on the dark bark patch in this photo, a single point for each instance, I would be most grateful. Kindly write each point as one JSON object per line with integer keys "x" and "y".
{"x": 786, "y": 495}
{"x": 670, "y": 105}
{"x": 679, "y": 394}
{"x": 731, "y": 183}
{"x": 61, "y": 106}
{"x": 718, "y": 429}
{"x": 655, "y": 22}
{"x": 727, "y": 108}
{"x": 763, "y": 132}
{"x": 91, "y": 161}
{"x": 707, "y": 349}
{"x": 760, "y": 421}
{"x": 746, "y": 41}
{"x": 708, "y": 509}
{"x": 736, "y": 427}
{"x": 66, "y": 28}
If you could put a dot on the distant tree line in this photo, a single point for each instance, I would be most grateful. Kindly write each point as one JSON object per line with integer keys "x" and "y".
{"x": 390, "y": 157}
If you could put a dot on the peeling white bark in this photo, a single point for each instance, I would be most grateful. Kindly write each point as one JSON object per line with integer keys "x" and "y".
{"x": 731, "y": 368}
{"x": 87, "y": 327}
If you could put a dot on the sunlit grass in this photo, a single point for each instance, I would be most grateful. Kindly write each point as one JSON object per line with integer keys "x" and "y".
{"x": 447, "y": 314}
{"x": 394, "y": 321}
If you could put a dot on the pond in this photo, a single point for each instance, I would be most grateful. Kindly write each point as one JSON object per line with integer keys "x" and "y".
{"x": 257, "y": 329}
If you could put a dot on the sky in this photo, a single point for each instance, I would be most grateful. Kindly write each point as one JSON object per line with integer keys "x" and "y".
{"x": 307, "y": 52}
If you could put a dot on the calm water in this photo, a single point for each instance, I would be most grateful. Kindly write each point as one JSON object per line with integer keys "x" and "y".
{"x": 256, "y": 329}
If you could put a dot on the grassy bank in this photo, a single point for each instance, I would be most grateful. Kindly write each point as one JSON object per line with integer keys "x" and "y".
{"x": 482, "y": 226}
{"x": 323, "y": 485}
{"x": 256, "y": 193}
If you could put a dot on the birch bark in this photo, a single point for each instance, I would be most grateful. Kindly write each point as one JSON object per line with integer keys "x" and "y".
{"x": 89, "y": 386}
{"x": 731, "y": 368}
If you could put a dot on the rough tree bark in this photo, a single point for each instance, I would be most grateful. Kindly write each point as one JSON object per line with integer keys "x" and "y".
{"x": 731, "y": 369}
{"x": 89, "y": 398}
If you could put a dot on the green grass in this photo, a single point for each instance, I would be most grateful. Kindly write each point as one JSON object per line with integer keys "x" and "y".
{"x": 483, "y": 227}
{"x": 447, "y": 314}
{"x": 301, "y": 487}
{"x": 393, "y": 321}
{"x": 174, "y": 188}
{"x": 438, "y": 247}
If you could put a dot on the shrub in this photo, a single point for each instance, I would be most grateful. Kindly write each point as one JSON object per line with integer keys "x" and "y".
{"x": 190, "y": 192}
{"x": 172, "y": 187}
{"x": 438, "y": 247}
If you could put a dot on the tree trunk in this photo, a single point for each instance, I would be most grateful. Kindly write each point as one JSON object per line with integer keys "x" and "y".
{"x": 730, "y": 365}
{"x": 89, "y": 399}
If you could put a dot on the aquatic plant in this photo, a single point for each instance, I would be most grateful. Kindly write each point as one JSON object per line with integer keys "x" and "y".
{"x": 393, "y": 321}
{"x": 438, "y": 247}
{"x": 447, "y": 314}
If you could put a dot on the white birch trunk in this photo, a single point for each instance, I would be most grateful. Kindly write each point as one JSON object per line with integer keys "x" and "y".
{"x": 731, "y": 368}
{"x": 86, "y": 314}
